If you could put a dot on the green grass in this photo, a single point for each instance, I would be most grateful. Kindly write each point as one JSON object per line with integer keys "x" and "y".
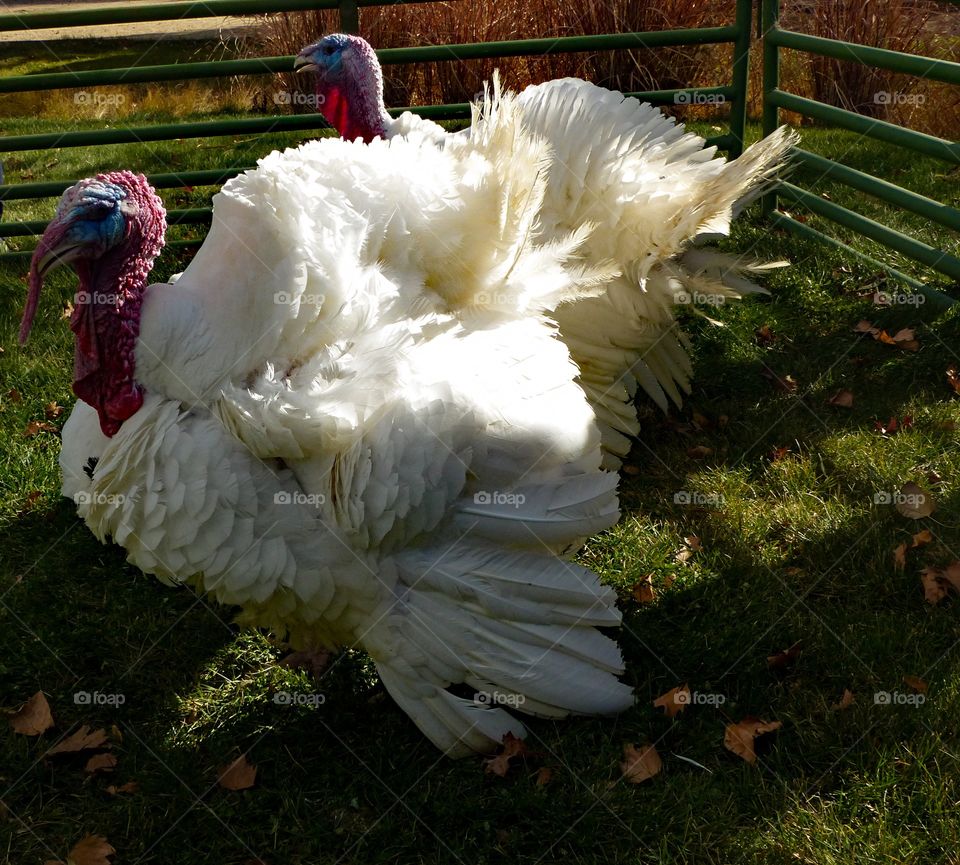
{"x": 796, "y": 550}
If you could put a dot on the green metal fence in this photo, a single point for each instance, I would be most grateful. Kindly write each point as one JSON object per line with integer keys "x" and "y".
{"x": 737, "y": 33}
{"x": 774, "y": 39}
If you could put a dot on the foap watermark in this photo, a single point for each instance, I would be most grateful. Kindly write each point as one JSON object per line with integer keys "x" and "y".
{"x": 891, "y": 298}
{"x": 898, "y": 698}
{"x": 96, "y": 698}
{"x": 286, "y": 298}
{"x": 308, "y": 100}
{"x": 296, "y": 497}
{"x": 684, "y": 697}
{"x": 298, "y": 698}
{"x": 686, "y": 97}
{"x": 692, "y": 497}
{"x": 698, "y": 298}
{"x": 98, "y": 99}
{"x": 897, "y": 497}
{"x": 83, "y": 497}
{"x": 495, "y": 497}
{"x": 495, "y": 698}
{"x": 102, "y": 297}
{"x": 888, "y": 97}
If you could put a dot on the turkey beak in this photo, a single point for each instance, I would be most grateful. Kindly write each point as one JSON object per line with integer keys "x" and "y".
{"x": 53, "y": 250}
{"x": 303, "y": 63}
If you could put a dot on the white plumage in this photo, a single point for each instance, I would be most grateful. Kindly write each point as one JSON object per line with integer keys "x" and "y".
{"x": 360, "y": 425}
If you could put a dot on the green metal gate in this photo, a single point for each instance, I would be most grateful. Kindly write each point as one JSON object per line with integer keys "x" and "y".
{"x": 774, "y": 99}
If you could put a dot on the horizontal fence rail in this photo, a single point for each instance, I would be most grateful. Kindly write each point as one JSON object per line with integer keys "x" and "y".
{"x": 734, "y": 93}
{"x": 774, "y": 99}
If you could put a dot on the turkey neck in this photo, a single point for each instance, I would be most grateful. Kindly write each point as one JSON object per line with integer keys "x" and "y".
{"x": 356, "y": 110}
{"x": 106, "y": 321}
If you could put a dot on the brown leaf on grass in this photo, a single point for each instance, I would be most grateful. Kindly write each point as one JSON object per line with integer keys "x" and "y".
{"x": 643, "y": 592}
{"x": 14, "y": 396}
{"x": 33, "y": 717}
{"x": 906, "y": 339}
{"x": 951, "y": 573}
{"x": 35, "y": 427}
{"x": 693, "y": 541}
{"x": 691, "y": 545}
{"x": 785, "y": 657}
{"x": 845, "y": 701}
{"x": 916, "y": 683}
{"x": 67, "y": 310}
{"x": 900, "y": 556}
{"x": 92, "y": 850}
{"x": 778, "y": 454}
{"x": 764, "y": 336}
{"x": 785, "y": 383}
{"x": 842, "y": 398}
{"x": 52, "y": 411}
{"x": 934, "y": 587}
{"x": 544, "y": 776}
{"x": 701, "y": 420}
{"x": 893, "y": 425}
{"x": 129, "y": 787}
{"x": 741, "y": 737}
{"x": 915, "y": 502}
{"x": 630, "y": 469}
{"x": 100, "y": 763}
{"x": 313, "y": 661}
{"x": 83, "y": 739}
{"x": 674, "y": 701}
{"x": 500, "y": 764}
{"x": 953, "y": 378}
{"x": 238, "y": 775}
{"x": 699, "y": 452}
{"x": 921, "y": 539}
{"x": 640, "y": 764}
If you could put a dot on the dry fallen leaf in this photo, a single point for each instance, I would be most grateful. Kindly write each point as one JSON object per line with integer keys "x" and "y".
{"x": 699, "y": 452}
{"x": 313, "y": 661}
{"x": 921, "y": 538}
{"x": 934, "y": 588}
{"x": 35, "y": 427}
{"x": 905, "y": 339}
{"x": 693, "y": 541}
{"x": 845, "y": 701}
{"x": 238, "y": 775}
{"x": 33, "y": 717}
{"x": 951, "y": 573}
{"x": 915, "y": 502}
{"x": 673, "y": 701}
{"x": 785, "y": 657}
{"x": 916, "y": 683}
{"x": 953, "y": 378}
{"x": 643, "y": 592}
{"x": 129, "y": 787}
{"x": 14, "y": 396}
{"x": 640, "y": 764}
{"x": 67, "y": 310}
{"x": 100, "y": 763}
{"x": 764, "y": 335}
{"x": 544, "y": 776}
{"x": 740, "y": 737}
{"x": 52, "y": 410}
{"x": 785, "y": 383}
{"x": 92, "y": 850}
{"x": 842, "y": 398}
{"x": 500, "y": 764}
{"x": 864, "y": 326}
{"x": 778, "y": 454}
{"x": 900, "y": 557}
{"x": 83, "y": 739}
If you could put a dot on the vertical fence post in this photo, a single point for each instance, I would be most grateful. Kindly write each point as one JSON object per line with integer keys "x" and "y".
{"x": 349, "y": 17}
{"x": 770, "y": 11}
{"x": 741, "y": 74}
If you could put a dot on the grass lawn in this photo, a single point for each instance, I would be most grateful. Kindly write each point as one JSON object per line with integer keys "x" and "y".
{"x": 796, "y": 545}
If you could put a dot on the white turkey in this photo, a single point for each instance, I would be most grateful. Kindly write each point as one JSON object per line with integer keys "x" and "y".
{"x": 351, "y": 416}
{"x": 653, "y": 193}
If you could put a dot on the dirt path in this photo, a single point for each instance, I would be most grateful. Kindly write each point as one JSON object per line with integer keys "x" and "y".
{"x": 189, "y": 28}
